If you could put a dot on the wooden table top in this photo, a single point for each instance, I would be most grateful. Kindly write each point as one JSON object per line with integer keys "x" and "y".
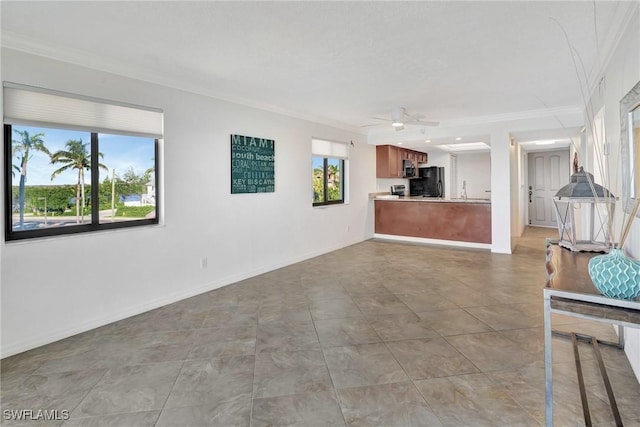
{"x": 569, "y": 271}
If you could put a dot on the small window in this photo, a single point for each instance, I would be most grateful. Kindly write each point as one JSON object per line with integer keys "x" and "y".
{"x": 127, "y": 178}
{"x": 50, "y": 176}
{"x": 328, "y": 177}
{"x": 71, "y": 179}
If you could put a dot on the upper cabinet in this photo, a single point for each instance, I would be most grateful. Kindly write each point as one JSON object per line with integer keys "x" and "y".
{"x": 389, "y": 160}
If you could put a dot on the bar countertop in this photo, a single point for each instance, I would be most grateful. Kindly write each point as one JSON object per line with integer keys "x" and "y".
{"x": 389, "y": 197}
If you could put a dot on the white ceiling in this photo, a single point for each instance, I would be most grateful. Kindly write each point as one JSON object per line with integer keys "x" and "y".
{"x": 338, "y": 63}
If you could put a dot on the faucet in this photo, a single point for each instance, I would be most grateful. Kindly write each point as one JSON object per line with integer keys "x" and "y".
{"x": 464, "y": 190}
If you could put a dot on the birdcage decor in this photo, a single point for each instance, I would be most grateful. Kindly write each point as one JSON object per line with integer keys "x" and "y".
{"x": 594, "y": 203}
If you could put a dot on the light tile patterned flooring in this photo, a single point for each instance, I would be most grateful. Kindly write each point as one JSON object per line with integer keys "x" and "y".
{"x": 377, "y": 333}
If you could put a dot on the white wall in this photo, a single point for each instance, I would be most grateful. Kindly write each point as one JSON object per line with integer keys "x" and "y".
{"x": 621, "y": 74}
{"x": 438, "y": 159}
{"x": 384, "y": 184}
{"x": 518, "y": 190}
{"x": 53, "y": 288}
{"x": 502, "y": 239}
{"x": 626, "y": 62}
{"x": 632, "y": 347}
{"x": 475, "y": 169}
{"x": 514, "y": 179}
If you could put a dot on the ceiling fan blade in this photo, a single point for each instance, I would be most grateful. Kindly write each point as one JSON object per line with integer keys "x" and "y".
{"x": 400, "y": 115}
{"x": 373, "y": 124}
{"x": 415, "y": 117}
{"x": 422, "y": 123}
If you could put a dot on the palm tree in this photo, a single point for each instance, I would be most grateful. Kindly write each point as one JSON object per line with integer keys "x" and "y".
{"x": 149, "y": 172}
{"x": 76, "y": 156}
{"x": 22, "y": 148}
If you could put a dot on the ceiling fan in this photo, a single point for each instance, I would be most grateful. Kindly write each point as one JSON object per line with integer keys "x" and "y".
{"x": 399, "y": 118}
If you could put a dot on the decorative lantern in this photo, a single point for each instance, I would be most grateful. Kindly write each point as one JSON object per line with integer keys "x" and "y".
{"x": 599, "y": 205}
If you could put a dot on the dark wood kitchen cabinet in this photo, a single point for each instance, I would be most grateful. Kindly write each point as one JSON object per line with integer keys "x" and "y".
{"x": 389, "y": 160}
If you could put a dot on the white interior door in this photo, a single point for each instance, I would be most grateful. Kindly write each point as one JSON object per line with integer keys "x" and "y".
{"x": 548, "y": 172}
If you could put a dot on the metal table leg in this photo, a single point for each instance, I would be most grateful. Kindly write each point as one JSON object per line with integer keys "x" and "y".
{"x": 548, "y": 362}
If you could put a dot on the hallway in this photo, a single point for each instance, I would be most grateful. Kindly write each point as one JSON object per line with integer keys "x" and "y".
{"x": 377, "y": 333}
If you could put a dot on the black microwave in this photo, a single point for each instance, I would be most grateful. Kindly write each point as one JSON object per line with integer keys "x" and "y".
{"x": 408, "y": 169}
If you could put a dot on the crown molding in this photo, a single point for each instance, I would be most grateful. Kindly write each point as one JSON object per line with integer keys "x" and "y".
{"x": 18, "y": 42}
{"x": 514, "y": 116}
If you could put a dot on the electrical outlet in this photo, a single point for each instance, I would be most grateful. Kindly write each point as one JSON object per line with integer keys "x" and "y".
{"x": 203, "y": 262}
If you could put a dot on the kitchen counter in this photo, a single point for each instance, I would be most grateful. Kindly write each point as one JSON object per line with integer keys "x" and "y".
{"x": 389, "y": 197}
{"x": 431, "y": 218}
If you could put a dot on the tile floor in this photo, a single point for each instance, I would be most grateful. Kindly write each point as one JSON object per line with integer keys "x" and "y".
{"x": 378, "y": 333}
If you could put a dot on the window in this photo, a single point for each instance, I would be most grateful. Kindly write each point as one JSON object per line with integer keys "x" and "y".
{"x": 63, "y": 177}
{"x": 328, "y": 177}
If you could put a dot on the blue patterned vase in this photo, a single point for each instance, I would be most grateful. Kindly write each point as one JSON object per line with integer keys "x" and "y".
{"x": 616, "y": 275}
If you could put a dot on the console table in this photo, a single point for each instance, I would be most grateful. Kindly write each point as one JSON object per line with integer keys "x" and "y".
{"x": 570, "y": 291}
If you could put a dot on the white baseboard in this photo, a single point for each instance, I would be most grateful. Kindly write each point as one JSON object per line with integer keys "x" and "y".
{"x": 423, "y": 240}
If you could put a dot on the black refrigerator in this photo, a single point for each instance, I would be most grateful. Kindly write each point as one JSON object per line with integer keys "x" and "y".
{"x": 429, "y": 183}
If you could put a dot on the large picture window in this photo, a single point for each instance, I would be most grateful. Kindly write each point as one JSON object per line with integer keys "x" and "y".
{"x": 62, "y": 178}
{"x": 329, "y": 172}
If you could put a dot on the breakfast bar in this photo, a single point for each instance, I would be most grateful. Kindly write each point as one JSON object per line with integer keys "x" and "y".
{"x": 461, "y": 220}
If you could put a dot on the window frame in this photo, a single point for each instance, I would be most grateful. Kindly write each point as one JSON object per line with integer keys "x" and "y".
{"x": 94, "y": 225}
{"x": 325, "y": 178}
